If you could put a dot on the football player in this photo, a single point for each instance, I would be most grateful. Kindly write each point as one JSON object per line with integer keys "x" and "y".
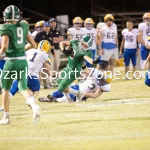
{"x": 93, "y": 87}
{"x": 129, "y": 44}
{"x": 38, "y": 27}
{"x": 109, "y": 43}
{"x": 37, "y": 59}
{"x": 144, "y": 30}
{"x": 76, "y": 32}
{"x": 14, "y": 35}
{"x": 77, "y": 52}
{"x": 90, "y": 31}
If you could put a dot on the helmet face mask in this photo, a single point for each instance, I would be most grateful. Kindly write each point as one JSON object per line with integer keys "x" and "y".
{"x": 89, "y": 25}
{"x": 77, "y": 25}
{"x": 11, "y": 13}
{"x": 86, "y": 43}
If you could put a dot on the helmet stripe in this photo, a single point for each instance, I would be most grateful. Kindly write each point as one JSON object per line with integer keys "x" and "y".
{"x": 13, "y": 12}
{"x": 42, "y": 44}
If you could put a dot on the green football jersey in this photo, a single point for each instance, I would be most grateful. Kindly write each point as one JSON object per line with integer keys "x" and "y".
{"x": 75, "y": 60}
{"x": 17, "y": 38}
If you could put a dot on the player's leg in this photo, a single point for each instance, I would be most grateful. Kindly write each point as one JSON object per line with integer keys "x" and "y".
{"x": 133, "y": 59}
{"x": 126, "y": 60}
{"x": 6, "y": 84}
{"x": 14, "y": 89}
{"x": 144, "y": 54}
{"x": 22, "y": 84}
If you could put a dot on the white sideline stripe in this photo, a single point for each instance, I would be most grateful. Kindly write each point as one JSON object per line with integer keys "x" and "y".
{"x": 76, "y": 138}
{"x": 117, "y": 102}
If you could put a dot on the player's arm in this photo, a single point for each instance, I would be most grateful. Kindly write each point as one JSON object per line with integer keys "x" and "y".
{"x": 4, "y": 44}
{"x": 31, "y": 43}
{"x": 90, "y": 60}
{"x": 99, "y": 42}
{"x": 47, "y": 66}
{"x": 122, "y": 45}
{"x": 94, "y": 95}
{"x": 140, "y": 38}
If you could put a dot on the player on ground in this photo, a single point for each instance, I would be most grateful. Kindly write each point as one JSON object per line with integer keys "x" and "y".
{"x": 14, "y": 36}
{"x": 93, "y": 87}
{"x": 76, "y": 32}
{"x": 144, "y": 30}
{"x": 78, "y": 51}
{"x": 109, "y": 43}
{"x": 90, "y": 31}
{"x": 129, "y": 44}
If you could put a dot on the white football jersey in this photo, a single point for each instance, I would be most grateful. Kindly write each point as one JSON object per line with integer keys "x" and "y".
{"x": 91, "y": 33}
{"x": 36, "y": 59}
{"x": 76, "y": 34}
{"x": 0, "y": 40}
{"x": 92, "y": 84}
{"x": 130, "y": 38}
{"x": 34, "y": 33}
{"x": 145, "y": 29}
{"x": 109, "y": 34}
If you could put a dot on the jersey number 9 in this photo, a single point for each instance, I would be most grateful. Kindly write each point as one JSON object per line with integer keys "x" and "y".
{"x": 20, "y": 35}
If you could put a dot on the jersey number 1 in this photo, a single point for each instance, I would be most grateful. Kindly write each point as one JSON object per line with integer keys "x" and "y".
{"x": 34, "y": 55}
{"x": 20, "y": 35}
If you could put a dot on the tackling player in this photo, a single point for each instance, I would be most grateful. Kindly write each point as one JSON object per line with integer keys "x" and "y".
{"x": 14, "y": 35}
{"x": 93, "y": 87}
{"x": 129, "y": 44}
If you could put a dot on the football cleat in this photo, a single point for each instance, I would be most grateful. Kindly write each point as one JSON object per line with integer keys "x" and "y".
{"x": 36, "y": 113}
{"x": 5, "y": 121}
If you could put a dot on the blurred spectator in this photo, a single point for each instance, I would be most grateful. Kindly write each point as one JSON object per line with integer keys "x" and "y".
{"x": 56, "y": 36}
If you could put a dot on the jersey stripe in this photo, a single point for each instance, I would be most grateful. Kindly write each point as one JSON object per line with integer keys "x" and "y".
{"x": 42, "y": 44}
{"x": 13, "y": 12}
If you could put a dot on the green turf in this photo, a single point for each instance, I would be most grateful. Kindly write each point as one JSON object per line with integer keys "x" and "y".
{"x": 107, "y": 123}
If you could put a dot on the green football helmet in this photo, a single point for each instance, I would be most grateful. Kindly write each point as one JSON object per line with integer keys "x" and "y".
{"x": 86, "y": 43}
{"x": 11, "y": 13}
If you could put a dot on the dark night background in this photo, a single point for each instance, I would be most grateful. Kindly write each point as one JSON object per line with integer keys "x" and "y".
{"x": 73, "y": 8}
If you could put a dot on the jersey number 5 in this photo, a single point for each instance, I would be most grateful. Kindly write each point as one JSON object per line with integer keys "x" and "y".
{"x": 20, "y": 35}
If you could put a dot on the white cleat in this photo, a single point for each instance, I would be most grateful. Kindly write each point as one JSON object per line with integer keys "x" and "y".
{"x": 36, "y": 113}
{"x": 5, "y": 121}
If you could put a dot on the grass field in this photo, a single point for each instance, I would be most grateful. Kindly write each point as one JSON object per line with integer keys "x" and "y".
{"x": 118, "y": 120}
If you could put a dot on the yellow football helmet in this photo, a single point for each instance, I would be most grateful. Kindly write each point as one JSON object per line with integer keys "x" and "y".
{"x": 146, "y": 15}
{"x": 39, "y": 25}
{"x": 77, "y": 22}
{"x": 44, "y": 45}
{"x": 109, "y": 17}
{"x": 108, "y": 76}
{"x": 89, "y": 23}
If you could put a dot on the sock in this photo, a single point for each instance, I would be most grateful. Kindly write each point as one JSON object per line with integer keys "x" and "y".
{"x": 62, "y": 100}
{"x": 142, "y": 64}
{"x": 6, "y": 115}
{"x": 10, "y": 95}
{"x": 67, "y": 96}
{"x": 72, "y": 91}
{"x": 30, "y": 101}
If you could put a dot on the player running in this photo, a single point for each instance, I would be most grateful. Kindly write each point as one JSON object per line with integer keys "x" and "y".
{"x": 93, "y": 87}
{"x": 77, "y": 52}
{"x": 14, "y": 35}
